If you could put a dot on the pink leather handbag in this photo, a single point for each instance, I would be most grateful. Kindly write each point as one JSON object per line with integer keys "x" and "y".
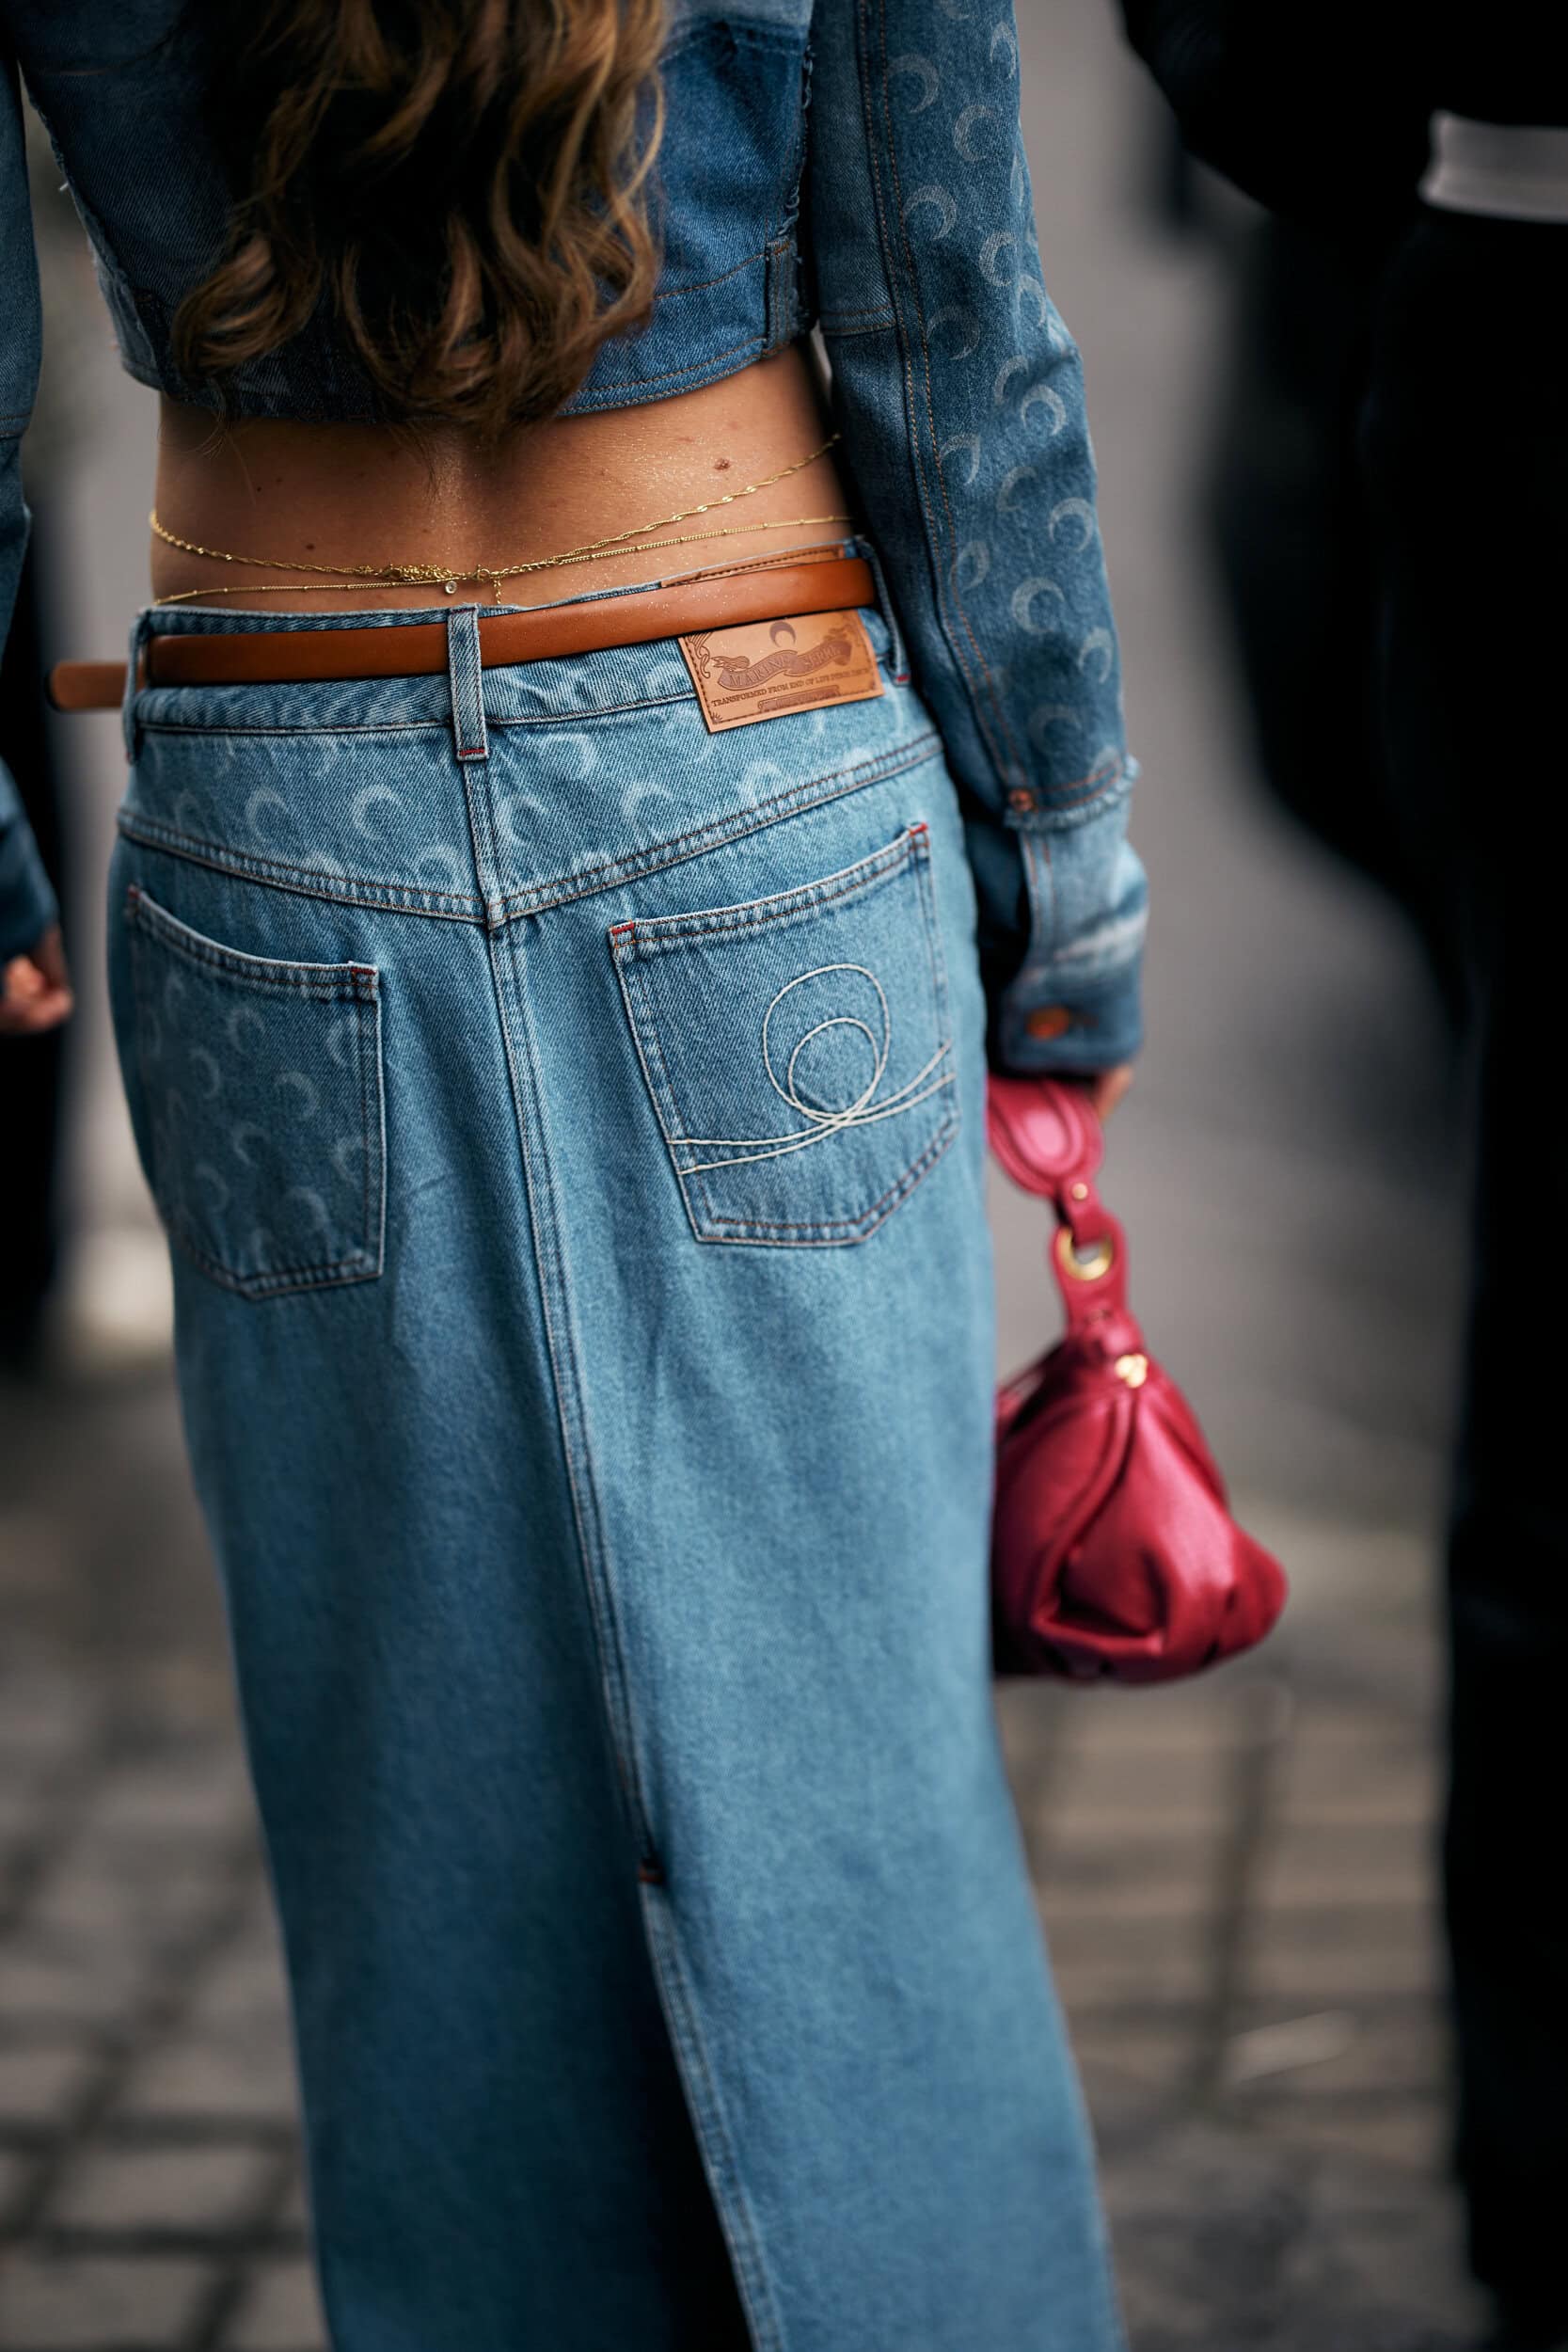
{"x": 1112, "y": 1547}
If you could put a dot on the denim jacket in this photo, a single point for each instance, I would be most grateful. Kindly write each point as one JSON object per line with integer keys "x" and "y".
{"x": 852, "y": 165}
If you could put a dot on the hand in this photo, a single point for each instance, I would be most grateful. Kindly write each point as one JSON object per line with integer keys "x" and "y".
{"x": 1107, "y": 1087}
{"x": 37, "y": 995}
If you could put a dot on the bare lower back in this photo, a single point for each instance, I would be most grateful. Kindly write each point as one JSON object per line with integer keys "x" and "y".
{"x": 356, "y": 494}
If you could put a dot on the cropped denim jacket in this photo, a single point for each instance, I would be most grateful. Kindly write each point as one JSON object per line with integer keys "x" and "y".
{"x": 853, "y": 164}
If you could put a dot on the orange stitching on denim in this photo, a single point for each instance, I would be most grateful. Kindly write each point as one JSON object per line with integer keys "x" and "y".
{"x": 665, "y": 374}
{"x": 946, "y": 588}
{"x": 154, "y": 835}
{"x": 940, "y": 583}
{"x": 630, "y": 865}
{"x": 872, "y": 874}
{"x": 831, "y": 1230}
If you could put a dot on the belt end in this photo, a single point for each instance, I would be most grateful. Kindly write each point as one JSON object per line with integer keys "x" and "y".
{"x": 86, "y": 686}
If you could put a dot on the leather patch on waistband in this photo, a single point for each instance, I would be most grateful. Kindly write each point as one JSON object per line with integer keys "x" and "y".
{"x": 766, "y": 669}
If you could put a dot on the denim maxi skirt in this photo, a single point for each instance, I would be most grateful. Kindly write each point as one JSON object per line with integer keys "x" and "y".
{"x": 569, "y": 1128}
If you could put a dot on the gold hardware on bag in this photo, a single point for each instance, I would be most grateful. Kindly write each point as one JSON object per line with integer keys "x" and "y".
{"x": 1096, "y": 1259}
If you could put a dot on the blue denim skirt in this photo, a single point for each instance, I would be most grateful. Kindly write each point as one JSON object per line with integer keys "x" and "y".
{"x": 568, "y": 1124}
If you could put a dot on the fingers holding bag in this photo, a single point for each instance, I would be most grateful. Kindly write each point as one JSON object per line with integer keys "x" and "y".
{"x": 1114, "y": 1552}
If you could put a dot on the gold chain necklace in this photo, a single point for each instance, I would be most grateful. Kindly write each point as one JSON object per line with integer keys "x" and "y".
{"x": 345, "y": 577}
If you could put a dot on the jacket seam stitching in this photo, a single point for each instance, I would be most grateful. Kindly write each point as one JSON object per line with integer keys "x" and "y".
{"x": 666, "y": 375}
{"x": 947, "y": 593}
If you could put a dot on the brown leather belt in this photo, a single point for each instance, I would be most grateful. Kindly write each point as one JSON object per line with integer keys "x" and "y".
{"x": 777, "y": 590}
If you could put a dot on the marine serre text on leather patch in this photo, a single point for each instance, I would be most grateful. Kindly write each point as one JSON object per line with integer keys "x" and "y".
{"x": 765, "y": 669}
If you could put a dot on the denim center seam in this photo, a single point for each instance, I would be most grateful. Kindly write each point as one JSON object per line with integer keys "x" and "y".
{"x": 732, "y": 2205}
{"x": 715, "y": 2142}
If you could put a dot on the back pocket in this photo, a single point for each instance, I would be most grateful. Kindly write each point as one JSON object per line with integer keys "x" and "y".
{"x": 261, "y": 1094}
{"x": 798, "y": 1049}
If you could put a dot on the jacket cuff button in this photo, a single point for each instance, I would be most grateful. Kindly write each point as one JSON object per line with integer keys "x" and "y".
{"x": 1048, "y": 1020}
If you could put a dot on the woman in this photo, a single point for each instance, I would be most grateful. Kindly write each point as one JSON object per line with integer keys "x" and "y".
{"x": 556, "y": 1039}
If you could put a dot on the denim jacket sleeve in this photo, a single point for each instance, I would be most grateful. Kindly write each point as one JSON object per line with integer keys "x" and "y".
{"x": 960, "y": 396}
{"x": 27, "y": 901}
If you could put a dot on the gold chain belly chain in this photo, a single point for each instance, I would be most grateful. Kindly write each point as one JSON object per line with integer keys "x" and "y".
{"x": 345, "y": 577}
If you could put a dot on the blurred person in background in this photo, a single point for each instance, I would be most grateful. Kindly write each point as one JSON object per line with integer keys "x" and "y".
{"x": 554, "y": 1009}
{"x": 1430, "y": 146}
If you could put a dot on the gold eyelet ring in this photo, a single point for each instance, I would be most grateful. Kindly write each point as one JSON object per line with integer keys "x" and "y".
{"x": 1100, "y": 1259}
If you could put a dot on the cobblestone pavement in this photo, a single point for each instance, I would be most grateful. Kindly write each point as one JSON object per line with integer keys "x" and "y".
{"x": 1236, "y": 1877}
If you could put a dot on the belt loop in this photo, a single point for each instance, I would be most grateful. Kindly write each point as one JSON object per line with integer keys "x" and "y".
{"x": 466, "y": 676}
{"x": 141, "y": 630}
{"x": 899, "y": 658}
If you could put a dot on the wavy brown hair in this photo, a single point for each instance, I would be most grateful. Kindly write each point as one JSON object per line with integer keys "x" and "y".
{"x": 466, "y": 181}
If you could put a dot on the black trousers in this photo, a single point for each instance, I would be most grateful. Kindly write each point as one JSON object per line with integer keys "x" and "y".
{"x": 1465, "y": 443}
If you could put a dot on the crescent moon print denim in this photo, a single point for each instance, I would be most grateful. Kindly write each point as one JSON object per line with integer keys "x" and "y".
{"x": 853, "y": 165}
{"x": 568, "y": 1125}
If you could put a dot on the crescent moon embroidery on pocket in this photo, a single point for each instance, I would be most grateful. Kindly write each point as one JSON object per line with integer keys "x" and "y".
{"x": 348, "y": 1148}
{"x": 446, "y": 861}
{"x": 264, "y": 796}
{"x": 638, "y": 796}
{"x": 314, "y": 1207}
{"x": 200, "y": 1059}
{"x": 240, "y": 1139}
{"x": 506, "y": 823}
{"x": 584, "y": 745}
{"x": 304, "y": 1087}
{"x": 665, "y": 677}
{"x": 370, "y": 795}
{"x": 218, "y": 1194}
{"x": 242, "y": 1018}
